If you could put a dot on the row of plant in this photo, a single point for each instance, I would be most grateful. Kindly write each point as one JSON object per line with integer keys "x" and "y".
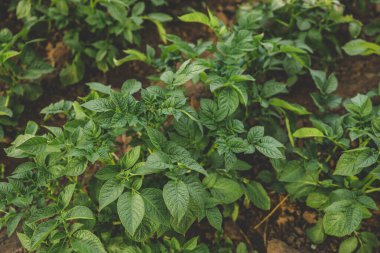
{"x": 190, "y": 160}
{"x": 92, "y": 32}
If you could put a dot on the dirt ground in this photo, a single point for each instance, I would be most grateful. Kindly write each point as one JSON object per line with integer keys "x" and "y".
{"x": 285, "y": 230}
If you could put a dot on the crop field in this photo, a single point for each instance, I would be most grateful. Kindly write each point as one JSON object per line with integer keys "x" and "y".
{"x": 199, "y": 126}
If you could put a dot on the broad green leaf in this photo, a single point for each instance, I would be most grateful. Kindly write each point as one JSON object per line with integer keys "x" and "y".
{"x": 308, "y": 132}
{"x": 257, "y": 194}
{"x": 79, "y": 213}
{"x": 361, "y": 47}
{"x": 156, "y": 137}
{"x": 130, "y": 158}
{"x": 316, "y": 199}
{"x": 354, "y": 161}
{"x": 255, "y": 134}
{"x": 131, "y": 86}
{"x": 25, "y": 241}
{"x": 72, "y": 73}
{"x": 13, "y": 222}
{"x": 155, "y": 208}
{"x": 98, "y": 105}
{"x": 84, "y": 241}
{"x": 131, "y": 210}
{"x": 34, "y": 145}
{"x": 23, "y": 9}
{"x": 41, "y": 232}
{"x": 109, "y": 192}
{"x": 269, "y": 147}
{"x": 360, "y": 105}
{"x": 176, "y": 197}
{"x": 349, "y": 245}
{"x": 228, "y": 101}
{"x": 316, "y": 233}
{"x": 342, "y": 220}
{"x": 43, "y": 213}
{"x": 197, "y": 17}
{"x": 66, "y": 195}
{"x": 191, "y": 244}
{"x": 226, "y": 190}
{"x": 215, "y": 218}
{"x": 297, "y": 109}
{"x": 99, "y": 87}
{"x": 7, "y": 55}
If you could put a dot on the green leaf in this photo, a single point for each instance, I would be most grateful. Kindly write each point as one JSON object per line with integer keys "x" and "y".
{"x": 130, "y": 158}
{"x": 361, "y": 47}
{"x": 316, "y": 200}
{"x": 269, "y": 147}
{"x": 176, "y": 197}
{"x": 308, "y": 132}
{"x": 342, "y": 220}
{"x": 255, "y": 134}
{"x": 100, "y": 87}
{"x": 72, "y": 73}
{"x": 131, "y": 210}
{"x": 109, "y": 192}
{"x": 156, "y": 137}
{"x": 7, "y": 55}
{"x": 5, "y": 35}
{"x": 43, "y": 213}
{"x": 79, "y": 213}
{"x": 316, "y": 233}
{"x": 98, "y": 105}
{"x": 354, "y": 161}
{"x": 297, "y": 109}
{"x": 84, "y": 241}
{"x": 226, "y": 190}
{"x": 42, "y": 232}
{"x": 196, "y": 17}
{"x": 228, "y": 101}
{"x": 241, "y": 248}
{"x": 34, "y": 145}
{"x": 155, "y": 208}
{"x": 191, "y": 244}
{"x": 25, "y": 241}
{"x": 131, "y": 86}
{"x": 66, "y": 195}
{"x": 23, "y": 9}
{"x": 349, "y": 245}
{"x": 13, "y": 222}
{"x": 331, "y": 84}
{"x": 257, "y": 194}
{"x": 215, "y": 218}
{"x": 360, "y": 105}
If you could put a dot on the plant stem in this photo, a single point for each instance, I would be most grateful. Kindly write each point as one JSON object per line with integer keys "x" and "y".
{"x": 271, "y": 212}
{"x": 287, "y": 123}
{"x": 211, "y": 150}
{"x": 372, "y": 190}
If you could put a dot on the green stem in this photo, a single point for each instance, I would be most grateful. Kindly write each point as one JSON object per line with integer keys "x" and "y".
{"x": 212, "y": 150}
{"x": 373, "y": 190}
{"x": 368, "y": 184}
{"x": 290, "y": 136}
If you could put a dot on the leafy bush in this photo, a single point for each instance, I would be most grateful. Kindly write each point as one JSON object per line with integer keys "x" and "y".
{"x": 187, "y": 159}
{"x": 20, "y": 72}
{"x": 93, "y": 29}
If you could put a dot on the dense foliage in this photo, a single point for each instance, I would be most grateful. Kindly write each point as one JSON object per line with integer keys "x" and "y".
{"x": 94, "y": 32}
{"x": 186, "y": 159}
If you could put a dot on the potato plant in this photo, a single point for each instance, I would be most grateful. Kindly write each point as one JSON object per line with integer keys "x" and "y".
{"x": 185, "y": 160}
{"x": 93, "y": 29}
{"x": 21, "y": 70}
